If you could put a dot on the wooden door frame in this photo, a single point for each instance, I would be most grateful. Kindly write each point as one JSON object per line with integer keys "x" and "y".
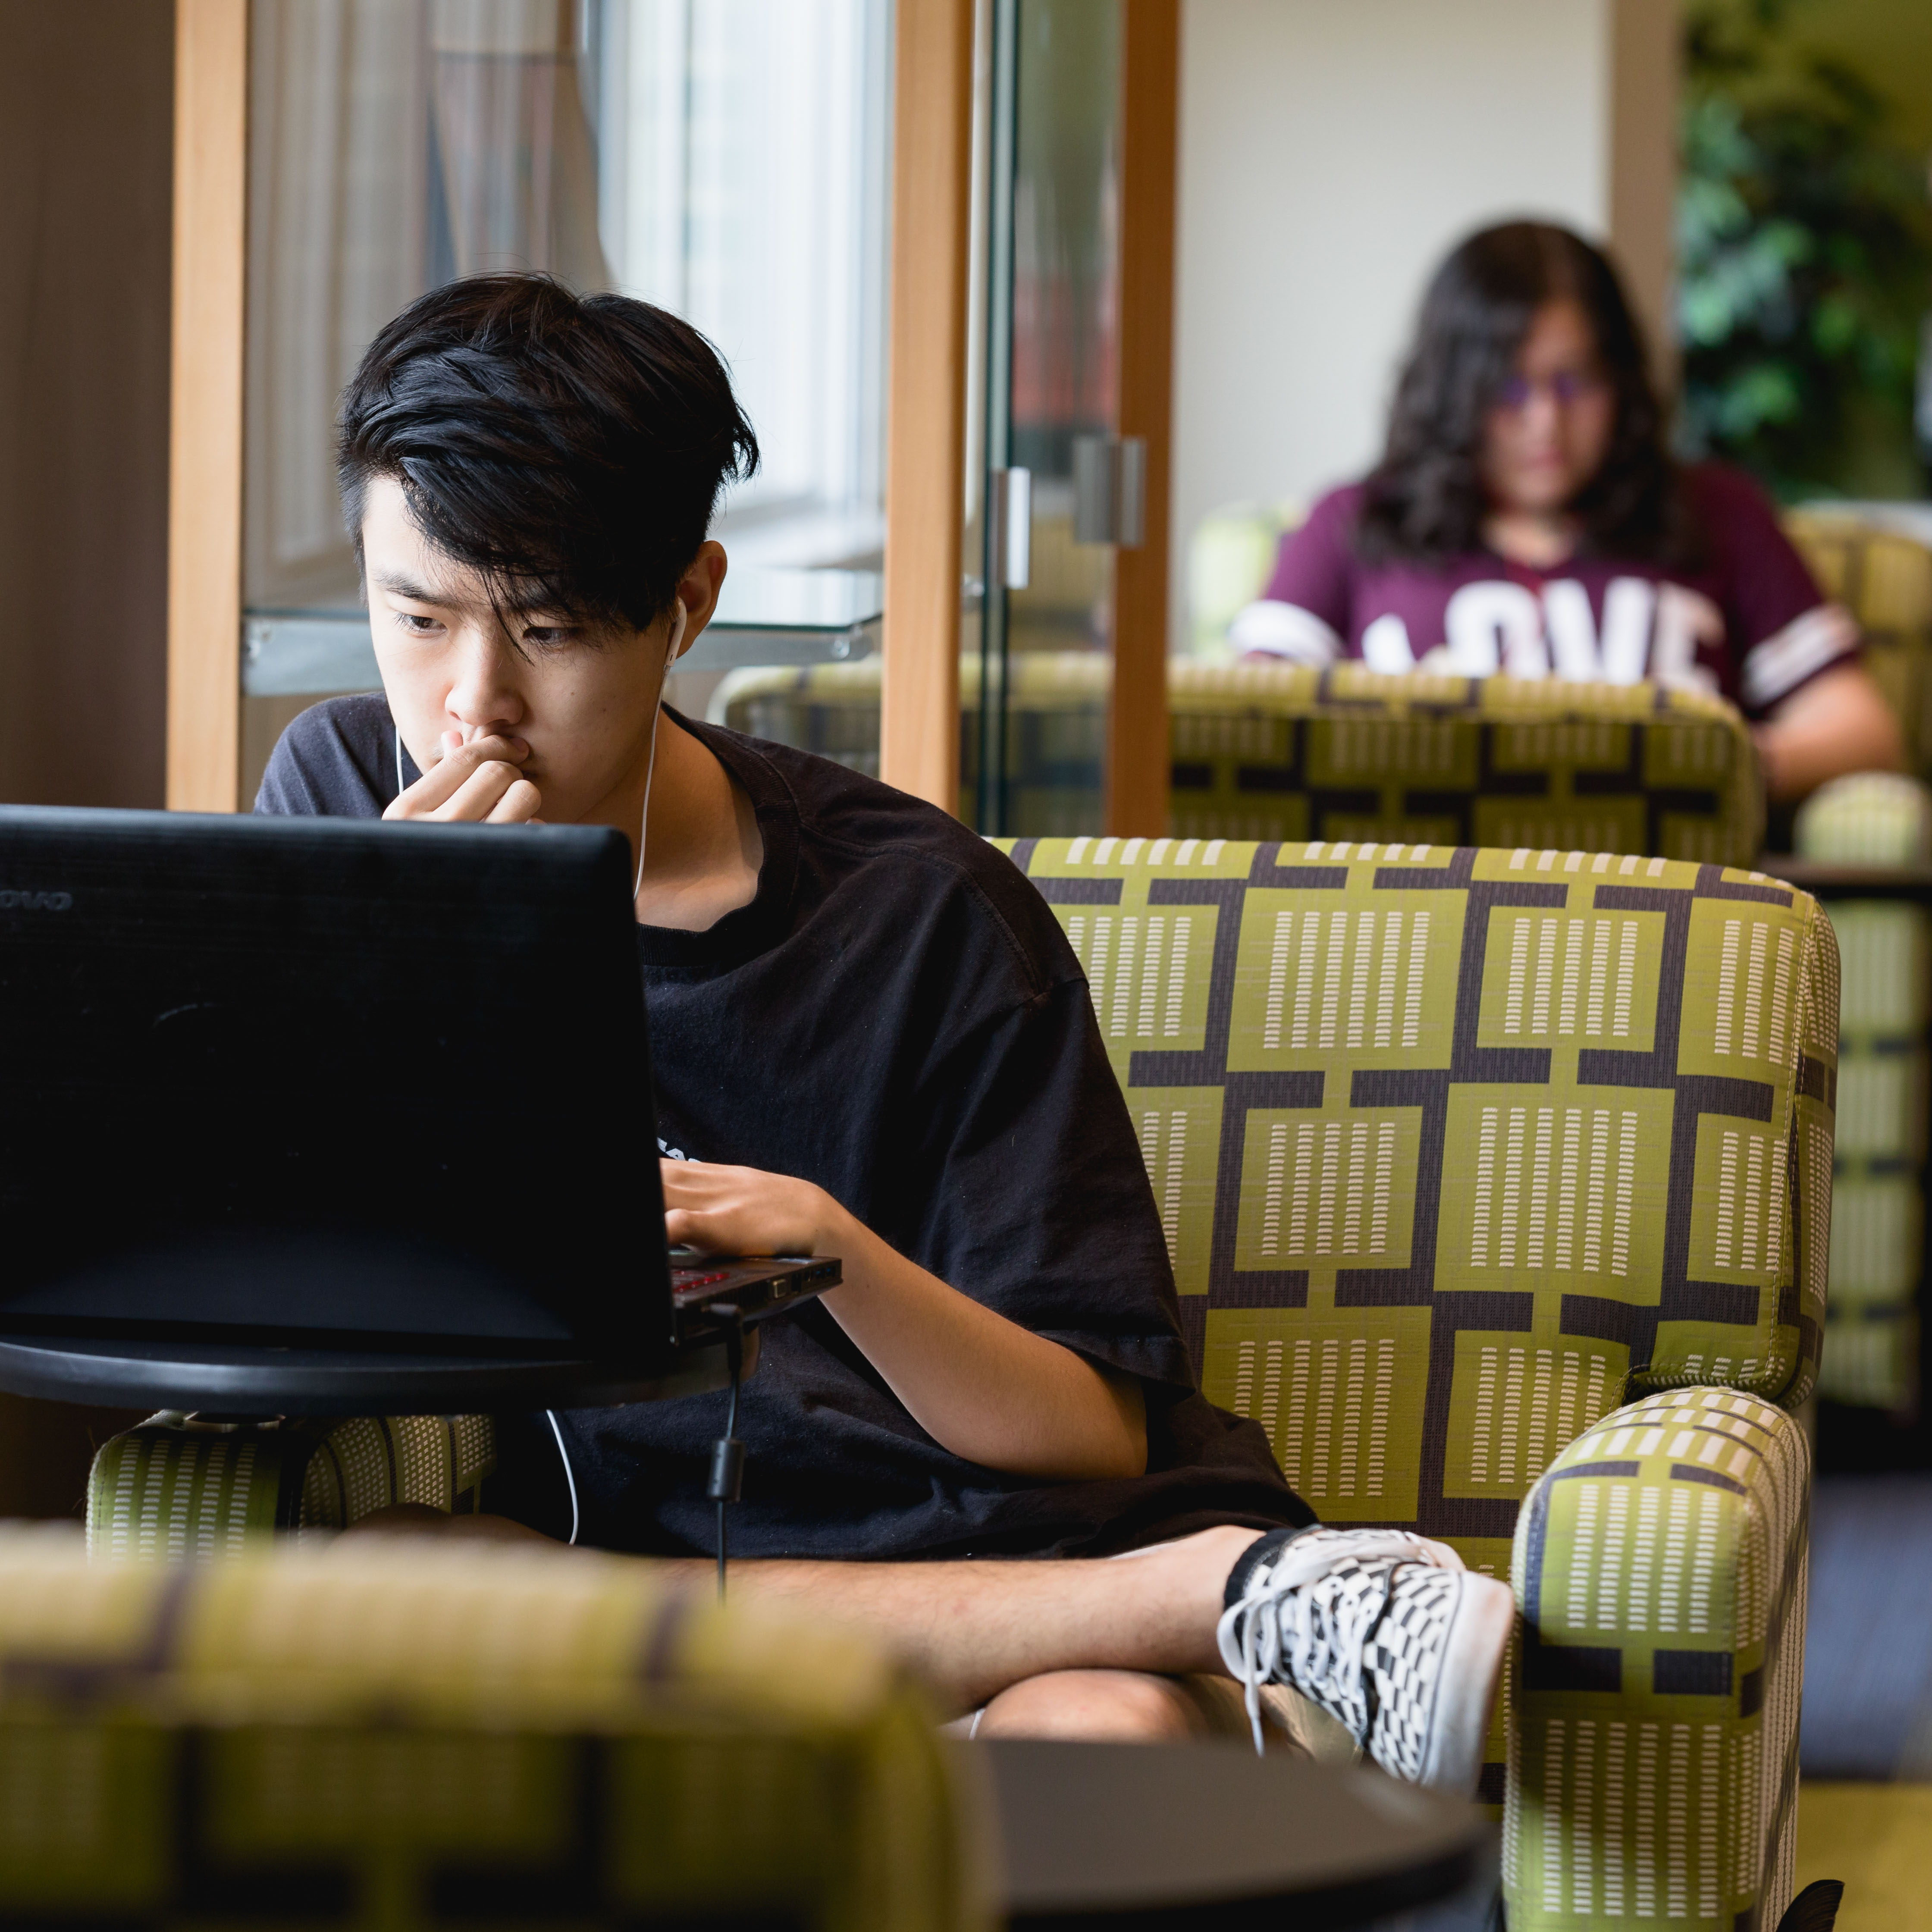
{"x": 925, "y": 411}
{"x": 926, "y": 440}
{"x": 1138, "y": 757}
{"x": 926, "y": 443}
{"x": 211, "y": 201}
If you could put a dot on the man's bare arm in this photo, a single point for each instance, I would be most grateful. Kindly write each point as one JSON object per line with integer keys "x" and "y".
{"x": 990, "y": 1391}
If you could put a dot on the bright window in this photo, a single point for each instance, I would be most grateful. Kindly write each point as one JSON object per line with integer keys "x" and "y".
{"x": 726, "y": 159}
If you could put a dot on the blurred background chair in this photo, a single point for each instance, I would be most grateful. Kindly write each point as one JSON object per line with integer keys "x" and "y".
{"x": 1878, "y": 823}
{"x": 1282, "y": 751}
{"x": 1883, "y": 576}
{"x": 1876, "y": 567}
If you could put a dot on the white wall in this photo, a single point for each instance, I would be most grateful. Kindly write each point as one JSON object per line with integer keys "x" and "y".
{"x": 1331, "y": 151}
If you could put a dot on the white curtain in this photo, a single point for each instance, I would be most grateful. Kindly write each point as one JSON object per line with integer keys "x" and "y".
{"x": 724, "y": 158}
{"x": 394, "y": 144}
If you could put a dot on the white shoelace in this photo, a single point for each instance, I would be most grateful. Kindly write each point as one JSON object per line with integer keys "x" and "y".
{"x": 1316, "y": 1645}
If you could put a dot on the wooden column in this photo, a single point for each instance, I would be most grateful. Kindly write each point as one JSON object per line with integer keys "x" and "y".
{"x": 925, "y": 433}
{"x": 205, "y": 435}
{"x": 1137, "y": 722}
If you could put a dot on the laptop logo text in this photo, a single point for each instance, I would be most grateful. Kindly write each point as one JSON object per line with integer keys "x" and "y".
{"x": 15, "y": 901}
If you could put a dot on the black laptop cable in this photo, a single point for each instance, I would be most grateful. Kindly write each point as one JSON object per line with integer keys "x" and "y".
{"x": 728, "y": 1453}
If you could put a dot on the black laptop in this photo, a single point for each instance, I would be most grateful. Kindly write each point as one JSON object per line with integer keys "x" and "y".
{"x": 302, "y": 1082}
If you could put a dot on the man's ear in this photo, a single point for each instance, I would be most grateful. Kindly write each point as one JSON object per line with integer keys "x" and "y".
{"x": 698, "y": 588}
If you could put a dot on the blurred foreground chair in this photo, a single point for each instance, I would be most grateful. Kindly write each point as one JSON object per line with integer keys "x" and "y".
{"x": 410, "y": 1736}
{"x": 1877, "y": 821}
{"x": 1498, "y": 1188}
{"x": 1269, "y": 751}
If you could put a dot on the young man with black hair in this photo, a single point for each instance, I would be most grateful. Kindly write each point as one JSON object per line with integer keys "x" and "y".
{"x": 870, "y": 1040}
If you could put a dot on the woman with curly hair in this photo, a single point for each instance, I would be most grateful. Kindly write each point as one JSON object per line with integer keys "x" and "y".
{"x": 1525, "y": 517}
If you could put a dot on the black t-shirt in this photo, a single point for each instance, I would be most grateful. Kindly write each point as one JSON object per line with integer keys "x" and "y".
{"x": 897, "y": 1017}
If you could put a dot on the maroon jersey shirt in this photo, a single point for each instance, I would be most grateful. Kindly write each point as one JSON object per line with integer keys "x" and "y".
{"x": 1749, "y": 621}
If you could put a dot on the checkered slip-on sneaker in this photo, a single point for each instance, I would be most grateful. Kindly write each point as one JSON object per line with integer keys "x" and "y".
{"x": 1386, "y": 1631}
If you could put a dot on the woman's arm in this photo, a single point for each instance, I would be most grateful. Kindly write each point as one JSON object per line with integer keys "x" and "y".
{"x": 1839, "y": 722}
{"x": 981, "y": 1386}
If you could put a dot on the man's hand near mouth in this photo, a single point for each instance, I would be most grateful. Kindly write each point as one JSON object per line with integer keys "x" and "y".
{"x": 478, "y": 783}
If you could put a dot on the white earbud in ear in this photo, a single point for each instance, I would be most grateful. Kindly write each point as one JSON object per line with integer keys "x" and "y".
{"x": 679, "y": 616}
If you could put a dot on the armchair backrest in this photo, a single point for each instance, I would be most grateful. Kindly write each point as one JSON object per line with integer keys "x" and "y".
{"x": 1280, "y": 752}
{"x": 1269, "y": 751}
{"x": 1457, "y": 1150}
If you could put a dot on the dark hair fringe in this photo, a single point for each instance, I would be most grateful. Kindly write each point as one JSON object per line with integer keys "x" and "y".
{"x": 1424, "y": 501}
{"x": 570, "y": 448}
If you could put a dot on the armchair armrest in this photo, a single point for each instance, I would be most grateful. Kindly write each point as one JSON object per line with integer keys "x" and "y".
{"x": 1652, "y": 1702}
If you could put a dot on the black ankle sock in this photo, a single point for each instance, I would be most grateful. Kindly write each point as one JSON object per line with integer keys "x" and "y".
{"x": 1257, "y": 1552}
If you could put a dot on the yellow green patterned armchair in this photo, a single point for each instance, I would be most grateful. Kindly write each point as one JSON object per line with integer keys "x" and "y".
{"x": 1497, "y": 1185}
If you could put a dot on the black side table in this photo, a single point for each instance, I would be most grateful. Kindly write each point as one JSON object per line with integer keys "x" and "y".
{"x": 240, "y": 1380}
{"x": 1210, "y": 1835}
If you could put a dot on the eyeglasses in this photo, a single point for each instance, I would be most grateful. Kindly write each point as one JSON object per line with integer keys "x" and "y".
{"x": 1565, "y": 387}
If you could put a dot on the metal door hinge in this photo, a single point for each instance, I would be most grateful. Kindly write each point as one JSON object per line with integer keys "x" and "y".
{"x": 1110, "y": 490}
{"x": 1010, "y": 526}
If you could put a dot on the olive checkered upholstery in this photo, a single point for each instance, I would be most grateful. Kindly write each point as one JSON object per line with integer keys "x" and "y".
{"x": 177, "y": 1486}
{"x": 1479, "y": 1169}
{"x": 410, "y": 1736}
{"x": 1660, "y": 1565}
{"x": 1284, "y": 751}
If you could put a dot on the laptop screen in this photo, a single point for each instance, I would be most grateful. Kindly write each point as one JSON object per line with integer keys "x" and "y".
{"x": 303, "y": 1079}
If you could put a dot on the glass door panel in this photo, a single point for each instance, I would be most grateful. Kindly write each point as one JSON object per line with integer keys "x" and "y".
{"x": 725, "y": 159}
{"x": 1035, "y": 747}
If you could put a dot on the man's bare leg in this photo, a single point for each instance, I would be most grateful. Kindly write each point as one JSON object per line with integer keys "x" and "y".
{"x": 1097, "y": 1706}
{"x": 976, "y": 1630}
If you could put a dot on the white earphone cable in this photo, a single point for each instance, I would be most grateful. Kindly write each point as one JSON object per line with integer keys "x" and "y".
{"x": 556, "y": 1429}
{"x": 677, "y": 623}
{"x": 637, "y": 885}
